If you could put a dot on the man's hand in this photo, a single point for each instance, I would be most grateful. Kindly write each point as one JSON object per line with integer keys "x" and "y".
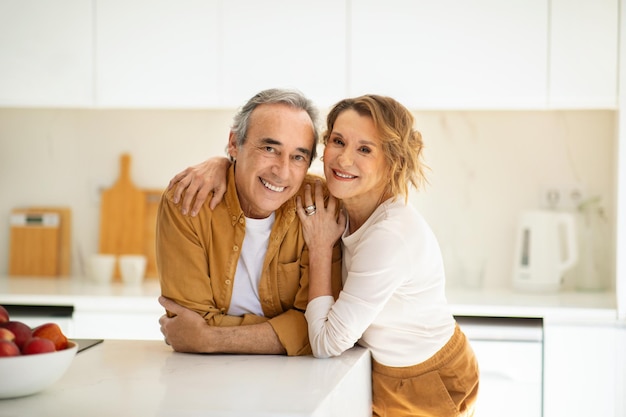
{"x": 198, "y": 181}
{"x": 187, "y": 331}
{"x": 183, "y": 330}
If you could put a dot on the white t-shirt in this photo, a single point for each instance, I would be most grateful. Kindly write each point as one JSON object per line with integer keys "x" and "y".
{"x": 393, "y": 299}
{"x": 245, "y": 298}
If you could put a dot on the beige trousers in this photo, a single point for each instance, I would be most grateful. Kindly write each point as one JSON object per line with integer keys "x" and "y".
{"x": 444, "y": 385}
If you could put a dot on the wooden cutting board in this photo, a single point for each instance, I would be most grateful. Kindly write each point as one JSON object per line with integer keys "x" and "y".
{"x": 122, "y": 216}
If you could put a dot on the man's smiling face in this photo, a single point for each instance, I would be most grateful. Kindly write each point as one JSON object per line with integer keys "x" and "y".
{"x": 271, "y": 164}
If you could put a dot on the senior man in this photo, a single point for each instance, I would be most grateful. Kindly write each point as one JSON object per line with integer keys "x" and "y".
{"x": 234, "y": 279}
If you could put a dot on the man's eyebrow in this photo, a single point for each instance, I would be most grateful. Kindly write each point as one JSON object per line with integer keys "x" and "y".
{"x": 305, "y": 151}
{"x": 270, "y": 141}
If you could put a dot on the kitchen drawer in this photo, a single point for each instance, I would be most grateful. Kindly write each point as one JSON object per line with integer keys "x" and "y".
{"x": 510, "y": 378}
{"x": 36, "y": 315}
{"x": 510, "y": 358}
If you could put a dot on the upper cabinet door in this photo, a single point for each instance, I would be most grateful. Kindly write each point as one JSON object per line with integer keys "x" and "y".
{"x": 284, "y": 43}
{"x": 447, "y": 54}
{"x": 157, "y": 53}
{"x": 46, "y": 53}
{"x": 584, "y": 53}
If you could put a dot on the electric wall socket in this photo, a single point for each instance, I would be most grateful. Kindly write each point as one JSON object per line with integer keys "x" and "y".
{"x": 566, "y": 197}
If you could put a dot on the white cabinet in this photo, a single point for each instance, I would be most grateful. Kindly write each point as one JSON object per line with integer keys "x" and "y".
{"x": 620, "y": 386}
{"x": 451, "y": 53}
{"x": 196, "y": 53}
{"x": 157, "y": 53}
{"x": 620, "y": 175}
{"x": 283, "y": 43}
{"x": 115, "y": 318}
{"x": 116, "y": 325}
{"x": 580, "y": 370}
{"x": 510, "y": 359}
{"x": 448, "y": 54}
{"x": 46, "y": 57}
{"x": 584, "y": 37}
{"x": 510, "y": 373}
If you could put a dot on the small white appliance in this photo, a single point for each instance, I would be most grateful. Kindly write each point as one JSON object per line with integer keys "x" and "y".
{"x": 545, "y": 248}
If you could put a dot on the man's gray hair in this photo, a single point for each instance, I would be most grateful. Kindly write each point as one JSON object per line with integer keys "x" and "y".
{"x": 291, "y": 98}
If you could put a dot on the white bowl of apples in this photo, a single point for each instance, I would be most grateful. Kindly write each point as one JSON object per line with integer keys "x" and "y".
{"x": 31, "y": 359}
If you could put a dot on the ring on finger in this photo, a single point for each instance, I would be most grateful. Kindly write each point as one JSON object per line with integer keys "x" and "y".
{"x": 310, "y": 210}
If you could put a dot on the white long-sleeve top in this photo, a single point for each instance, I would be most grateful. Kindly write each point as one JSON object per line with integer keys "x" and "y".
{"x": 393, "y": 299}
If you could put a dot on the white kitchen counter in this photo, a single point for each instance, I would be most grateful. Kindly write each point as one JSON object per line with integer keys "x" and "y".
{"x": 90, "y": 297}
{"x": 146, "y": 378}
{"x": 109, "y": 311}
{"x": 81, "y": 293}
{"x": 554, "y": 307}
{"x": 117, "y": 311}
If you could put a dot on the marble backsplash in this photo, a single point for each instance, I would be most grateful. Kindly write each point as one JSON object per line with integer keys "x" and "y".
{"x": 485, "y": 168}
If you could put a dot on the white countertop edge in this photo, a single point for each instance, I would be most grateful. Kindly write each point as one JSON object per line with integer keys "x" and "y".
{"x": 554, "y": 314}
{"x": 89, "y": 303}
{"x": 557, "y": 306}
{"x": 87, "y": 296}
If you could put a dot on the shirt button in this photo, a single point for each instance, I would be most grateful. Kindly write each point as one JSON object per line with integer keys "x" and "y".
{"x": 227, "y": 282}
{"x": 235, "y": 248}
{"x": 241, "y": 220}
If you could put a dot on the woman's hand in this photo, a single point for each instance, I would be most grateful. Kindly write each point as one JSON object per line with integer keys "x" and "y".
{"x": 321, "y": 224}
{"x": 198, "y": 181}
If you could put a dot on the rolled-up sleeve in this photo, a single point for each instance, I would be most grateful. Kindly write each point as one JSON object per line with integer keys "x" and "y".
{"x": 182, "y": 262}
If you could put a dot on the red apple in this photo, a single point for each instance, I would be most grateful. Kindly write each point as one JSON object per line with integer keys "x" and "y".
{"x": 4, "y": 315}
{"x": 21, "y": 331}
{"x": 6, "y": 334}
{"x": 8, "y": 348}
{"x": 51, "y": 331}
{"x": 36, "y": 345}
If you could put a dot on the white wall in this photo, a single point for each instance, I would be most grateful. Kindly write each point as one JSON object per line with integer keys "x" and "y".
{"x": 62, "y": 157}
{"x": 485, "y": 168}
{"x": 489, "y": 166}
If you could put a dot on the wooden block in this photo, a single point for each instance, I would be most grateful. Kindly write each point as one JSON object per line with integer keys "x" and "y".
{"x": 34, "y": 243}
{"x": 65, "y": 236}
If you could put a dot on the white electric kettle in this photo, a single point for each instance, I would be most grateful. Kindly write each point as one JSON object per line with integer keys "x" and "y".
{"x": 545, "y": 248}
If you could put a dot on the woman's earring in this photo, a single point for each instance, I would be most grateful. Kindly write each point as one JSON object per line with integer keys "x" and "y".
{"x": 322, "y": 158}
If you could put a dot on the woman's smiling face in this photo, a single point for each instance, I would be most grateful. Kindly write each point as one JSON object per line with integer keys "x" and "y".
{"x": 354, "y": 162}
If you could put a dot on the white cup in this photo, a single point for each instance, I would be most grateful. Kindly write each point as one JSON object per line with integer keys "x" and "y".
{"x": 132, "y": 268}
{"x": 101, "y": 268}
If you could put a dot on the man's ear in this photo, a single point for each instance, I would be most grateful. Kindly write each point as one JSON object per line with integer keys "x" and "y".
{"x": 232, "y": 145}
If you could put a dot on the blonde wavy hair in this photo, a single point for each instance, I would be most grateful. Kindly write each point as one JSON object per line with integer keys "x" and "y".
{"x": 402, "y": 144}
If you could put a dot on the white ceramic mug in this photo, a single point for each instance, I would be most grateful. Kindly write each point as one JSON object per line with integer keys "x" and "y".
{"x": 101, "y": 268}
{"x": 132, "y": 268}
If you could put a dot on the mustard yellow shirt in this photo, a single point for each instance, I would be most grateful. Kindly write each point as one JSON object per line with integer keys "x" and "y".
{"x": 197, "y": 258}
